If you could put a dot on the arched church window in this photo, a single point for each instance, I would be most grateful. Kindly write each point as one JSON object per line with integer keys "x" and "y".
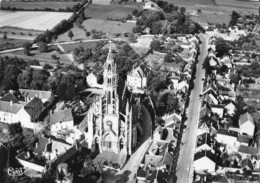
{"x": 109, "y": 97}
{"x": 109, "y": 68}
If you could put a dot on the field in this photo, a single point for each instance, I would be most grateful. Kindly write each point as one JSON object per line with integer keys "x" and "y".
{"x": 193, "y": 2}
{"x": 10, "y": 43}
{"x": 238, "y": 5}
{"x": 26, "y": 5}
{"x": 101, "y": 12}
{"x": 70, "y": 47}
{"x": 32, "y": 20}
{"x": 97, "y": 20}
{"x": 18, "y": 33}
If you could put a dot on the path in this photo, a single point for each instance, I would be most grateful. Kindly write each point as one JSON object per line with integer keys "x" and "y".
{"x": 185, "y": 162}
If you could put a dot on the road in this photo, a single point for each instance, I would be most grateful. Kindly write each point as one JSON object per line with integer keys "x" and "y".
{"x": 133, "y": 163}
{"x": 185, "y": 162}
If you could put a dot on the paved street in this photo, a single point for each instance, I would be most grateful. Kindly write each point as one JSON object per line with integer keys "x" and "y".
{"x": 185, "y": 161}
{"x": 133, "y": 163}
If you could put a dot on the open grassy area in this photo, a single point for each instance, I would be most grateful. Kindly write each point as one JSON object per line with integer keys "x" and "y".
{"x": 41, "y": 57}
{"x": 70, "y": 47}
{"x": 10, "y": 43}
{"x": 40, "y": 5}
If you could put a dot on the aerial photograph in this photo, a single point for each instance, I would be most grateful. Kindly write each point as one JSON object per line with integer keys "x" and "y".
{"x": 129, "y": 91}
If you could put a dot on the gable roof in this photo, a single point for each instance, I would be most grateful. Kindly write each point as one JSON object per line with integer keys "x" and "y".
{"x": 205, "y": 111}
{"x": 227, "y": 132}
{"x": 34, "y": 107}
{"x": 243, "y": 139}
{"x": 205, "y": 153}
{"x": 203, "y": 139}
{"x": 61, "y": 116}
{"x": 172, "y": 118}
{"x": 9, "y": 97}
{"x": 247, "y": 150}
{"x": 247, "y": 162}
{"x": 35, "y": 93}
{"x": 209, "y": 122}
{"x": 141, "y": 71}
{"x": 42, "y": 142}
{"x": 245, "y": 118}
{"x": 9, "y": 107}
{"x": 210, "y": 86}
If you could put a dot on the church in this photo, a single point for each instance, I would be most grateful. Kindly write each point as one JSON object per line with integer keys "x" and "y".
{"x": 112, "y": 128}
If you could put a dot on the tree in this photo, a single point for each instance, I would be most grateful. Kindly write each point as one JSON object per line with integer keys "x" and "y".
{"x": 42, "y": 47}
{"x": 156, "y": 45}
{"x": 39, "y": 79}
{"x": 222, "y": 48}
{"x": 136, "y": 13}
{"x": 4, "y": 36}
{"x": 88, "y": 34}
{"x": 10, "y": 77}
{"x": 76, "y": 51}
{"x": 168, "y": 58}
{"x": 182, "y": 10}
{"x": 199, "y": 10}
{"x": 53, "y": 56}
{"x": 27, "y": 46}
{"x": 25, "y": 78}
{"x": 70, "y": 34}
{"x": 137, "y": 29}
{"x": 132, "y": 38}
{"x": 234, "y": 78}
{"x": 54, "y": 37}
{"x": 156, "y": 27}
{"x": 15, "y": 128}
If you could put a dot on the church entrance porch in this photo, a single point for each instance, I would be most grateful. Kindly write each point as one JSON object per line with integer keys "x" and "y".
{"x": 112, "y": 159}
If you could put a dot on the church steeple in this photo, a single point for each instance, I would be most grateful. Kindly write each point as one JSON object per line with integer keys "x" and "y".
{"x": 110, "y": 83}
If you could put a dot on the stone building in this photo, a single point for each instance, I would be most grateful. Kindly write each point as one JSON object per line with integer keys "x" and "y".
{"x": 111, "y": 125}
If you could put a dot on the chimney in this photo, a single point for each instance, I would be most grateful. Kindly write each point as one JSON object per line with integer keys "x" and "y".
{"x": 28, "y": 154}
{"x": 11, "y": 103}
{"x": 11, "y": 91}
{"x": 36, "y": 145}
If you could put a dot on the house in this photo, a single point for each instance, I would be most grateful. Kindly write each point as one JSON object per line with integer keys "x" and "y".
{"x": 230, "y": 108}
{"x": 172, "y": 119}
{"x": 247, "y": 151}
{"x": 92, "y": 80}
{"x": 208, "y": 124}
{"x": 204, "y": 143}
{"x": 243, "y": 140}
{"x": 151, "y": 6}
{"x": 247, "y": 163}
{"x": 9, "y": 97}
{"x": 25, "y": 114}
{"x": 204, "y": 161}
{"x": 227, "y": 137}
{"x": 217, "y": 109}
{"x": 210, "y": 97}
{"x": 45, "y": 96}
{"x": 137, "y": 79}
{"x": 210, "y": 86}
{"x": 247, "y": 124}
{"x": 34, "y": 108}
{"x": 47, "y": 153}
{"x": 61, "y": 119}
{"x": 213, "y": 62}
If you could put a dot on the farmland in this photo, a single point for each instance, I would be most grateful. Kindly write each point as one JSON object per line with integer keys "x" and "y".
{"x": 101, "y": 12}
{"x": 41, "y": 5}
{"x": 70, "y": 47}
{"x": 32, "y": 20}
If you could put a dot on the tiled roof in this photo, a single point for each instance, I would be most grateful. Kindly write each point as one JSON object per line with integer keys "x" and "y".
{"x": 205, "y": 111}
{"x": 9, "y": 108}
{"x": 35, "y": 93}
{"x": 246, "y": 117}
{"x": 59, "y": 147}
{"x": 205, "y": 153}
{"x": 9, "y": 97}
{"x": 247, "y": 150}
{"x": 227, "y": 133}
{"x": 209, "y": 121}
{"x": 243, "y": 139}
{"x": 247, "y": 162}
{"x": 61, "y": 116}
{"x": 211, "y": 85}
{"x": 34, "y": 108}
